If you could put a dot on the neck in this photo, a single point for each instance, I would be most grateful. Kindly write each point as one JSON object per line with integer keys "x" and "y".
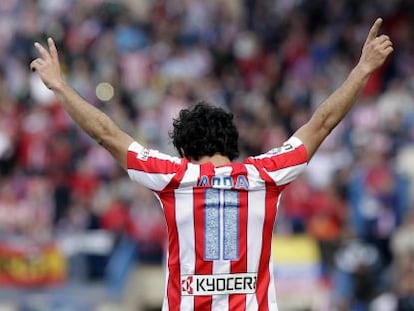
{"x": 216, "y": 159}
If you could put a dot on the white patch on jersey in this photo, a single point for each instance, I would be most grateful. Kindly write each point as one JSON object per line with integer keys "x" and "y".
{"x": 255, "y": 181}
{"x": 288, "y": 146}
{"x": 184, "y": 215}
{"x": 152, "y": 181}
{"x": 271, "y": 293}
{"x": 255, "y": 222}
{"x": 143, "y": 154}
{"x": 287, "y": 174}
{"x": 221, "y": 266}
{"x": 162, "y": 156}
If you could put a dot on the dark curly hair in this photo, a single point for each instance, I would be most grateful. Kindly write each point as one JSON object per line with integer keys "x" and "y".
{"x": 204, "y": 130}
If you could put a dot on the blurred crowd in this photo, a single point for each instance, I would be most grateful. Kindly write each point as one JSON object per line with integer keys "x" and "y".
{"x": 269, "y": 62}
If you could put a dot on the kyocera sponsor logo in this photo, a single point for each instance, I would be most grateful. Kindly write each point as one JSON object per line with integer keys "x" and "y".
{"x": 187, "y": 285}
{"x": 219, "y": 284}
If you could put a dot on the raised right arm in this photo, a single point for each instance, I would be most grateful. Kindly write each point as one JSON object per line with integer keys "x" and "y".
{"x": 93, "y": 121}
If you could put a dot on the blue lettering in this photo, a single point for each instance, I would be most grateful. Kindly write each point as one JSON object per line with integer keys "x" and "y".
{"x": 204, "y": 182}
{"x": 242, "y": 182}
{"x": 225, "y": 182}
{"x": 228, "y": 182}
{"x": 216, "y": 181}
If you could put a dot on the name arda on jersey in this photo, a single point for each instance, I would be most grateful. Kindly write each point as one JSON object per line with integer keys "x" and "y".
{"x": 221, "y": 284}
{"x": 224, "y": 182}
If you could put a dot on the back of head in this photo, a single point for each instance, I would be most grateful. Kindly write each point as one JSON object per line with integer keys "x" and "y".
{"x": 205, "y": 130}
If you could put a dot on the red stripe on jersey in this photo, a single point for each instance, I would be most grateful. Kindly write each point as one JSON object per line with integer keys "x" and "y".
{"x": 292, "y": 158}
{"x": 238, "y": 301}
{"x": 201, "y": 267}
{"x": 174, "y": 277}
{"x": 263, "y": 275}
{"x": 151, "y": 165}
{"x": 265, "y": 176}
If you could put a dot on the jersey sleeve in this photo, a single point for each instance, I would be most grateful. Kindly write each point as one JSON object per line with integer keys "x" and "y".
{"x": 283, "y": 164}
{"x": 151, "y": 168}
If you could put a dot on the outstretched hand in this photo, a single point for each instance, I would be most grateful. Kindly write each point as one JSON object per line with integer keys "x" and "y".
{"x": 376, "y": 48}
{"x": 47, "y": 65}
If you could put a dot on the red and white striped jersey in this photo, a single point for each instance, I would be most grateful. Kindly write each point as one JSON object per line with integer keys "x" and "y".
{"x": 220, "y": 223}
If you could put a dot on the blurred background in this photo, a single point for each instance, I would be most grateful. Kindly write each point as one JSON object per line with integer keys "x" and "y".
{"x": 76, "y": 234}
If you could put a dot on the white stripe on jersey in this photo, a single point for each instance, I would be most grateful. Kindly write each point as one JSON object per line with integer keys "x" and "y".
{"x": 167, "y": 271}
{"x": 184, "y": 214}
{"x": 271, "y": 293}
{"x": 255, "y": 221}
{"x": 253, "y": 176}
{"x": 221, "y": 266}
{"x": 162, "y": 156}
{"x": 153, "y": 181}
{"x": 291, "y": 143}
{"x": 167, "y": 275}
{"x": 287, "y": 174}
{"x": 145, "y": 153}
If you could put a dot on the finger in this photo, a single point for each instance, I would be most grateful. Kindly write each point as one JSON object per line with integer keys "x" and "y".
{"x": 42, "y": 51}
{"x": 389, "y": 50}
{"x": 34, "y": 65}
{"x": 374, "y": 30}
{"x": 386, "y": 44}
{"x": 53, "y": 49}
{"x": 381, "y": 39}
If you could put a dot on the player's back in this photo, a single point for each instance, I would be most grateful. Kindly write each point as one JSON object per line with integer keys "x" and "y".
{"x": 220, "y": 227}
{"x": 220, "y": 222}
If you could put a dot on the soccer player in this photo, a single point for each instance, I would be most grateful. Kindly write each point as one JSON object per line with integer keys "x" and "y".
{"x": 220, "y": 214}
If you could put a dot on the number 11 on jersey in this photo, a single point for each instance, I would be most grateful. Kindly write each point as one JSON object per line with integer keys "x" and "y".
{"x": 221, "y": 224}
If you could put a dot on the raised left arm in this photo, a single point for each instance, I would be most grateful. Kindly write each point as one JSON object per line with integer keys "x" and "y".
{"x": 327, "y": 116}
